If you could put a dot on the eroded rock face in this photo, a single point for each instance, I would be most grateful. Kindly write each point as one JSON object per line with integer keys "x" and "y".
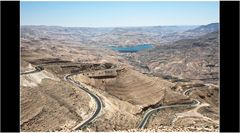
{"x": 53, "y": 106}
{"x": 34, "y": 79}
{"x": 172, "y": 97}
{"x": 186, "y": 59}
{"x": 136, "y": 88}
{"x": 49, "y": 103}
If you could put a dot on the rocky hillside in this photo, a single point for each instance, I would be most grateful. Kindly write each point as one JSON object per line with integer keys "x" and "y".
{"x": 156, "y": 35}
{"x": 206, "y": 28}
{"x": 183, "y": 59}
{"x": 135, "y": 88}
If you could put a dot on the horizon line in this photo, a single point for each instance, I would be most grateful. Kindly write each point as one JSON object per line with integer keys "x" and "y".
{"x": 116, "y": 26}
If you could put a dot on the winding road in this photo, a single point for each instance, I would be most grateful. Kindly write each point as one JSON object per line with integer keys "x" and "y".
{"x": 94, "y": 96}
{"x": 37, "y": 69}
{"x": 79, "y": 85}
{"x": 148, "y": 114}
{"x": 187, "y": 92}
{"x": 99, "y": 103}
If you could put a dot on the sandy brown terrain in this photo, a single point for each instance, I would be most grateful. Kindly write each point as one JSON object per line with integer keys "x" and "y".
{"x": 48, "y": 103}
{"x": 126, "y": 89}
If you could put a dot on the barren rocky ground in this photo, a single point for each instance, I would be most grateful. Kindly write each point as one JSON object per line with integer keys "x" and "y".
{"x": 182, "y": 66}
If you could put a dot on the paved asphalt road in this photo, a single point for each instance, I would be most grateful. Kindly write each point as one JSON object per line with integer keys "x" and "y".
{"x": 94, "y": 96}
{"x": 99, "y": 102}
{"x": 37, "y": 69}
{"x": 151, "y": 111}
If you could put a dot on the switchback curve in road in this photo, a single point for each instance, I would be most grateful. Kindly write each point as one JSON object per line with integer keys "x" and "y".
{"x": 94, "y": 96}
{"x": 148, "y": 114}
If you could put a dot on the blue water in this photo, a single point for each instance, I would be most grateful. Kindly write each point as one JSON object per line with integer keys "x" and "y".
{"x": 132, "y": 49}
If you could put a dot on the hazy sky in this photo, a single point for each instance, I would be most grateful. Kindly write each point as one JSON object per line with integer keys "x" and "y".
{"x": 111, "y": 14}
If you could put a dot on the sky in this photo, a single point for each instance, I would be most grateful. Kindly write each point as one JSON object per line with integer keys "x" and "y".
{"x": 117, "y": 14}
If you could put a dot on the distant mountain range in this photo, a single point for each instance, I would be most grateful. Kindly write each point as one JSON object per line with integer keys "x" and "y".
{"x": 206, "y": 28}
{"x": 156, "y": 35}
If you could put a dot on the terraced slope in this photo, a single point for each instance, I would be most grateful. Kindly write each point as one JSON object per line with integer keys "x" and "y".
{"x": 134, "y": 87}
{"x": 137, "y": 88}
